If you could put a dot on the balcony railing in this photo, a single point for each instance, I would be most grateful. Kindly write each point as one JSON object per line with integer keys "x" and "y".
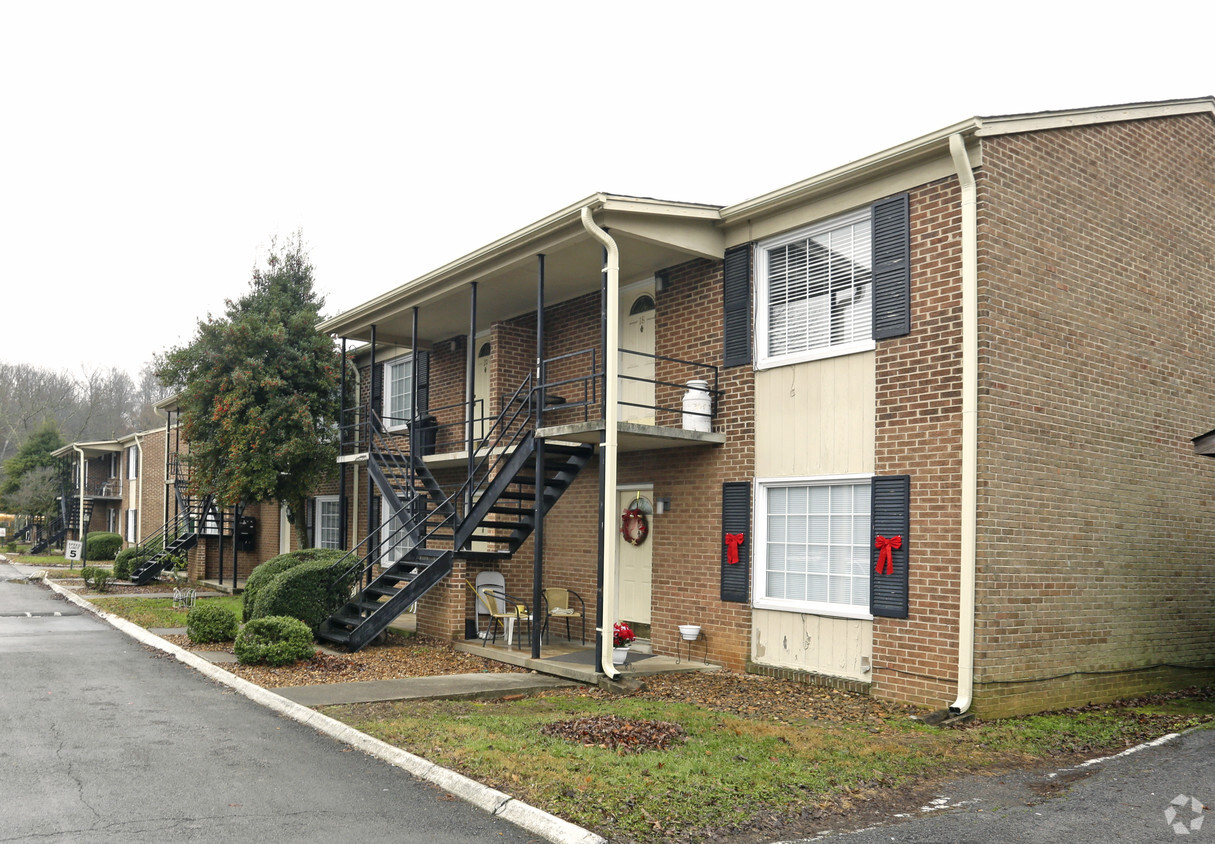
{"x": 109, "y": 488}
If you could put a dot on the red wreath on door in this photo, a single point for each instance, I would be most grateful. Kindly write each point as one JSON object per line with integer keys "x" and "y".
{"x": 634, "y": 526}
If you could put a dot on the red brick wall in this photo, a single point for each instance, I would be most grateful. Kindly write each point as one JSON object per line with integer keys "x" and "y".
{"x": 686, "y": 543}
{"x": 918, "y": 432}
{"x": 1097, "y": 326}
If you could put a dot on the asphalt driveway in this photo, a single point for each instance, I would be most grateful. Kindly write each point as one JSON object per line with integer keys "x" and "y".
{"x": 1125, "y": 799}
{"x": 105, "y": 740}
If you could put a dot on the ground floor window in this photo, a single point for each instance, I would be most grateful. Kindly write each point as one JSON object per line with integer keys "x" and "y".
{"x": 394, "y": 537}
{"x": 812, "y": 545}
{"x": 132, "y": 525}
{"x": 328, "y": 522}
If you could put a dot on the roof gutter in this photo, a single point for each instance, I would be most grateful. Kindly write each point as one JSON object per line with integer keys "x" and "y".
{"x": 607, "y": 448}
{"x": 970, "y": 426}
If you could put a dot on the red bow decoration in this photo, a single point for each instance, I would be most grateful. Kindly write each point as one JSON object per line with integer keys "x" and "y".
{"x": 885, "y": 556}
{"x": 733, "y": 540}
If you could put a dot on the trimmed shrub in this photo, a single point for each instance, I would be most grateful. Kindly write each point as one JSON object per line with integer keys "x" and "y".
{"x": 273, "y": 640}
{"x": 310, "y": 591}
{"x": 102, "y": 546}
{"x": 96, "y": 577}
{"x": 128, "y": 560}
{"x": 209, "y": 622}
{"x": 267, "y": 571}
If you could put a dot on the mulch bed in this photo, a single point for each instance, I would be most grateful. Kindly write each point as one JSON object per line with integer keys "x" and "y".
{"x": 399, "y": 657}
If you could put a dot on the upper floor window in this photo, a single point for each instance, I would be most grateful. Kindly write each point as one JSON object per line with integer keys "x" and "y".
{"x": 398, "y": 392}
{"x": 132, "y": 463}
{"x": 815, "y": 291}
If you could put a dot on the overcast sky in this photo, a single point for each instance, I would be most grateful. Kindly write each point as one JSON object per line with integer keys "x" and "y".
{"x": 149, "y": 151}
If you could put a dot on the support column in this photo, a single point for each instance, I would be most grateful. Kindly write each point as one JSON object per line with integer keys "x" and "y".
{"x": 342, "y": 503}
{"x": 537, "y": 399}
{"x": 470, "y": 396}
{"x": 373, "y": 397}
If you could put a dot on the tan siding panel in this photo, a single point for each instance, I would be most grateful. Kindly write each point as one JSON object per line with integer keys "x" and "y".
{"x": 815, "y": 418}
{"x": 814, "y": 643}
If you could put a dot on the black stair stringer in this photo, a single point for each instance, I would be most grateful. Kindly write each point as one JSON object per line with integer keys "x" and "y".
{"x": 349, "y": 626}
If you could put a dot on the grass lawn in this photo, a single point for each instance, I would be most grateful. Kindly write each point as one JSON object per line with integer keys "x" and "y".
{"x": 731, "y": 769}
{"x": 46, "y": 560}
{"x": 157, "y": 612}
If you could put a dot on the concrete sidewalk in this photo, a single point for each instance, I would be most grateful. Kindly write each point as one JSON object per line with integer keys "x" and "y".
{"x": 476, "y": 686}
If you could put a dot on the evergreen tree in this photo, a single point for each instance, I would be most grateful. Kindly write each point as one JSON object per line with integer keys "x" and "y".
{"x": 260, "y": 392}
{"x": 34, "y": 453}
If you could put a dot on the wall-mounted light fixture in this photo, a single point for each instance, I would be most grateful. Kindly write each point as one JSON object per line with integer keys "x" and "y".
{"x": 662, "y": 505}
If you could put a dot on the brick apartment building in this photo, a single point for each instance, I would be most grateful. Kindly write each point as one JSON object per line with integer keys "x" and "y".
{"x": 986, "y": 349}
{"x": 137, "y": 486}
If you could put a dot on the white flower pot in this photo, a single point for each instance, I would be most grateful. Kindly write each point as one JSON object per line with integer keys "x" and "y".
{"x": 619, "y": 655}
{"x": 689, "y": 632}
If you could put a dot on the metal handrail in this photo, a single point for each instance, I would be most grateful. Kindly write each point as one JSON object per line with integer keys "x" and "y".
{"x": 595, "y": 376}
{"x": 360, "y": 560}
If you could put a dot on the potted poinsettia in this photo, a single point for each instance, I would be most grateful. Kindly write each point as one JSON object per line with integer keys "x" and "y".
{"x": 622, "y": 637}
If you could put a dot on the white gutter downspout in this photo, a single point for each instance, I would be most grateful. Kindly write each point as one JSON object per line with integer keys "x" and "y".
{"x": 80, "y": 531}
{"x": 970, "y": 426}
{"x": 607, "y": 451}
{"x": 139, "y": 487}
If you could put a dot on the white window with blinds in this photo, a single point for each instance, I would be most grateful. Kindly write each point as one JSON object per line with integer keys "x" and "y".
{"x": 328, "y": 522}
{"x": 398, "y": 392}
{"x": 815, "y": 291}
{"x": 812, "y": 544}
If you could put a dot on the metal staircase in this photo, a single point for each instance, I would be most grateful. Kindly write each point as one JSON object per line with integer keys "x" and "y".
{"x": 23, "y": 532}
{"x": 55, "y": 529}
{"x": 495, "y": 505}
{"x": 179, "y": 534}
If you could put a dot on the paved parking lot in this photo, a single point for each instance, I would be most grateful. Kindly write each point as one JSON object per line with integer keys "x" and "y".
{"x": 104, "y": 740}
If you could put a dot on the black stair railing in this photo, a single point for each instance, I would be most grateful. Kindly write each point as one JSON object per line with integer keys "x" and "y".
{"x": 501, "y": 451}
{"x": 508, "y": 430}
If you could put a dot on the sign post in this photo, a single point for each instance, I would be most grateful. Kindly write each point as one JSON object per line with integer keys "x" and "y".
{"x": 73, "y": 551}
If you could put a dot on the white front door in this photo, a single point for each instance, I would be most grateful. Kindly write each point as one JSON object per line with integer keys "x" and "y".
{"x": 635, "y": 563}
{"x": 637, "y": 370}
{"x": 481, "y": 387}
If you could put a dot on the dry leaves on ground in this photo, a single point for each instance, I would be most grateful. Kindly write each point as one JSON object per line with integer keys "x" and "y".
{"x": 611, "y": 732}
{"x": 757, "y": 696}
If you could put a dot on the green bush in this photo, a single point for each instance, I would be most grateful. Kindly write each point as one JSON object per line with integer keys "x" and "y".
{"x": 96, "y": 577}
{"x": 128, "y": 560}
{"x": 273, "y": 640}
{"x": 267, "y": 571}
{"x": 209, "y": 622}
{"x": 102, "y": 546}
{"x": 310, "y": 591}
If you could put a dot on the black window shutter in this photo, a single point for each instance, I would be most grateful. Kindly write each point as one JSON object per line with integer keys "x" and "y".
{"x": 423, "y": 383}
{"x": 891, "y": 267}
{"x": 736, "y": 518}
{"x": 736, "y": 288}
{"x": 310, "y": 522}
{"x": 890, "y": 517}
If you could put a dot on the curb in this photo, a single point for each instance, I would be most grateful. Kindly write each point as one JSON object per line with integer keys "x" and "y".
{"x": 528, "y": 817}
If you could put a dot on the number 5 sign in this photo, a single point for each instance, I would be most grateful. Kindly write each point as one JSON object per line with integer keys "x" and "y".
{"x": 74, "y": 549}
